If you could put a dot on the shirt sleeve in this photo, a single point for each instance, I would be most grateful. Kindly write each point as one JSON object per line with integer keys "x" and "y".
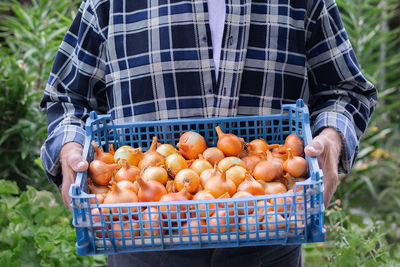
{"x": 75, "y": 87}
{"x": 340, "y": 96}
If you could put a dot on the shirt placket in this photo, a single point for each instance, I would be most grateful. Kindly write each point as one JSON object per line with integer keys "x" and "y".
{"x": 206, "y": 63}
{"x": 233, "y": 55}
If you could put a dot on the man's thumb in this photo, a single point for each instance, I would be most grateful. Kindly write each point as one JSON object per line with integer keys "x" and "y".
{"x": 77, "y": 163}
{"x": 314, "y": 149}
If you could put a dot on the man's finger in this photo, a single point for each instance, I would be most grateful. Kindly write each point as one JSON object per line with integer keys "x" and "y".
{"x": 77, "y": 162}
{"x": 315, "y": 148}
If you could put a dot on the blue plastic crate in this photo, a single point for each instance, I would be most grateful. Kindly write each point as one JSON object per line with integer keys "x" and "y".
{"x": 297, "y": 217}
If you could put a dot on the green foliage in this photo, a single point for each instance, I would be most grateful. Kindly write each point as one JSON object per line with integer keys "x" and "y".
{"x": 352, "y": 241}
{"x": 29, "y": 37}
{"x": 36, "y": 230}
{"x": 366, "y": 230}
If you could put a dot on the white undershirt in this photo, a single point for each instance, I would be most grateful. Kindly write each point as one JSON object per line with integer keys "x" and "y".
{"x": 216, "y": 11}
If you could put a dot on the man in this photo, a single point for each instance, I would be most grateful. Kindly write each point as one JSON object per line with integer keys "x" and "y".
{"x": 152, "y": 60}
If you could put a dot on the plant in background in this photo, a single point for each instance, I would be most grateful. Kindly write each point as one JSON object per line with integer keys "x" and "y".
{"x": 372, "y": 190}
{"x": 30, "y": 34}
{"x": 354, "y": 239}
{"x": 36, "y": 230}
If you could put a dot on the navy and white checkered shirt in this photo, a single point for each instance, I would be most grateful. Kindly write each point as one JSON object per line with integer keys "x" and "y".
{"x": 153, "y": 60}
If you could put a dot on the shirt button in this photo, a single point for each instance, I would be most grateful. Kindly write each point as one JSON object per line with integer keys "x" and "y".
{"x": 204, "y": 39}
{"x": 209, "y": 90}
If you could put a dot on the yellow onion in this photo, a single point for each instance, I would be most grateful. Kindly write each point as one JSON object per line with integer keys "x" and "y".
{"x": 251, "y": 185}
{"x": 158, "y": 174}
{"x": 213, "y": 155}
{"x": 166, "y": 150}
{"x": 296, "y": 166}
{"x": 172, "y": 211}
{"x": 174, "y": 163}
{"x": 100, "y": 172}
{"x": 150, "y": 191}
{"x": 269, "y": 169}
{"x": 119, "y": 195}
{"x": 189, "y": 177}
{"x": 151, "y": 222}
{"x": 151, "y": 157}
{"x": 251, "y": 162}
{"x": 274, "y": 188}
{"x": 126, "y": 172}
{"x": 132, "y": 155}
{"x": 202, "y": 207}
{"x": 200, "y": 165}
{"x": 228, "y": 162}
{"x": 217, "y": 185}
{"x": 295, "y": 143}
{"x": 229, "y": 144}
{"x": 102, "y": 156}
{"x": 191, "y": 144}
{"x": 236, "y": 174}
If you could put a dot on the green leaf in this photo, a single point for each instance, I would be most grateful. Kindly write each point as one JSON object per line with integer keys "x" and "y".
{"x": 8, "y": 188}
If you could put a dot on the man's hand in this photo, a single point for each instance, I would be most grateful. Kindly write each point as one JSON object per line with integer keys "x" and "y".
{"x": 71, "y": 162}
{"x": 326, "y": 147}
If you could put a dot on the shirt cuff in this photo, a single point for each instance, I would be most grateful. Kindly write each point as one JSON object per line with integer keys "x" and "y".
{"x": 347, "y": 132}
{"x": 50, "y": 151}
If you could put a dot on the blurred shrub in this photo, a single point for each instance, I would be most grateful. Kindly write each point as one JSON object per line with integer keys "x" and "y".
{"x": 365, "y": 230}
{"x": 36, "y": 230}
{"x": 30, "y": 34}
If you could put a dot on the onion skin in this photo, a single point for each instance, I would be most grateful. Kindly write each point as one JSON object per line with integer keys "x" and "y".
{"x": 172, "y": 212}
{"x": 274, "y": 188}
{"x": 132, "y": 155}
{"x": 251, "y": 185}
{"x": 126, "y": 229}
{"x": 221, "y": 221}
{"x": 200, "y": 165}
{"x": 251, "y": 162}
{"x": 295, "y": 143}
{"x": 214, "y": 155}
{"x": 211, "y": 206}
{"x": 152, "y": 173}
{"x": 236, "y": 174}
{"x": 174, "y": 163}
{"x": 189, "y": 177}
{"x": 241, "y": 205}
{"x": 228, "y": 162}
{"x": 119, "y": 195}
{"x": 296, "y": 166}
{"x": 259, "y": 146}
{"x": 151, "y": 214}
{"x": 166, "y": 150}
{"x": 206, "y": 175}
{"x": 191, "y": 144}
{"x": 194, "y": 227}
{"x": 218, "y": 185}
{"x": 269, "y": 169}
{"x": 229, "y": 144}
{"x": 100, "y": 172}
{"x": 101, "y": 189}
{"x": 150, "y": 191}
{"x": 102, "y": 156}
{"x": 126, "y": 172}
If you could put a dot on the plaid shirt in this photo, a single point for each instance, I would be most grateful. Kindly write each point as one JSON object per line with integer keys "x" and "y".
{"x": 152, "y": 60}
